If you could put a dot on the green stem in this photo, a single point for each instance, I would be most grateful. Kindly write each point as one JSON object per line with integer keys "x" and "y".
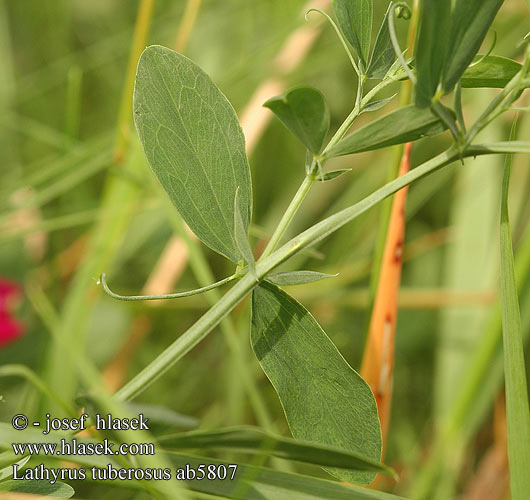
{"x": 237, "y": 293}
{"x": 197, "y": 332}
{"x": 289, "y": 214}
{"x": 202, "y": 271}
{"x": 178, "y": 295}
{"x": 303, "y": 190}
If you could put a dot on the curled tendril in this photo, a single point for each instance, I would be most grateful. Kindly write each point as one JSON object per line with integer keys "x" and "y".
{"x": 108, "y": 291}
{"x": 399, "y": 9}
{"x": 403, "y": 11}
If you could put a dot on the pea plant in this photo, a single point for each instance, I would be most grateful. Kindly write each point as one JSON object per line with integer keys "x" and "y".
{"x": 195, "y": 147}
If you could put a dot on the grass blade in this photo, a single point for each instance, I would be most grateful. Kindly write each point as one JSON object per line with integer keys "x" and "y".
{"x": 517, "y": 409}
{"x": 261, "y": 483}
{"x": 253, "y": 440}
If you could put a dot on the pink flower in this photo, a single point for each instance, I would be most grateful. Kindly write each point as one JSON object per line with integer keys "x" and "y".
{"x": 10, "y": 328}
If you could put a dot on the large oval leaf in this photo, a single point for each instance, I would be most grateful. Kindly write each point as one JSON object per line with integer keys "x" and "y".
{"x": 470, "y": 22}
{"x": 194, "y": 144}
{"x": 324, "y": 399}
{"x": 403, "y": 125}
{"x": 431, "y": 48}
{"x": 355, "y": 21}
{"x": 304, "y": 111}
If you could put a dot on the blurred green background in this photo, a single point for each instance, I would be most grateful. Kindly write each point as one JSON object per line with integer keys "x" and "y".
{"x": 75, "y": 203}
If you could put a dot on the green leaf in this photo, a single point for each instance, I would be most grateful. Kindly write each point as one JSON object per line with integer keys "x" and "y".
{"x": 517, "y": 410}
{"x": 254, "y": 440}
{"x": 375, "y": 105}
{"x": 7, "y": 460}
{"x": 403, "y": 125}
{"x": 470, "y": 22}
{"x": 289, "y": 278}
{"x": 431, "y": 48}
{"x": 355, "y": 21}
{"x": 241, "y": 236}
{"x": 261, "y": 483}
{"x": 194, "y": 144}
{"x": 56, "y": 490}
{"x": 304, "y": 111}
{"x": 332, "y": 174}
{"x": 491, "y": 71}
{"x": 383, "y": 55}
{"x": 324, "y": 399}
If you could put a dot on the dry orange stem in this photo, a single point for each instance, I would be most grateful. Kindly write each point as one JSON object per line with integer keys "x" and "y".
{"x": 378, "y": 359}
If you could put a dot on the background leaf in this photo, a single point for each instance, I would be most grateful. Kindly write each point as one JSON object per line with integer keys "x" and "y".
{"x": 163, "y": 418}
{"x": 355, "y": 21}
{"x": 194, "y": 144}
{"x": 491, "y": 71}
{"x": 383, "y": 55}
{"x": 470, "y": 22}
{"x": 254, "y": 440}
{"x": 403, "y": 125}
{"x": 304, "y": 111}
{"x": 44, "y": 488}
{"x": 431, "y": 48}
{"x": 324, "y": 399}
{"x": 261, "y": 483}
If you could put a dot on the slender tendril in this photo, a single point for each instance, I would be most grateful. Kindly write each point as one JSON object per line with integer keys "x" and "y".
{"x": 339, "y": 34}
{"x": 393, "y": 38}
{"x": 488, "y": 53}
{"x": 108, "y": 291}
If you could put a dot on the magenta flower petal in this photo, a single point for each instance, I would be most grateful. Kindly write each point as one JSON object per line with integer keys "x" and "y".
{"x": 10, "y": 328}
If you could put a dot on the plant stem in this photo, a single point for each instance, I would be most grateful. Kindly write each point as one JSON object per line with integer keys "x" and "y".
{"x": 289, "y": 215}
{"x": 201, "y": 269}
{"x": 237, "y": 293}
{"x": 197, "y": 332}
{"x": 304, "y": 188}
